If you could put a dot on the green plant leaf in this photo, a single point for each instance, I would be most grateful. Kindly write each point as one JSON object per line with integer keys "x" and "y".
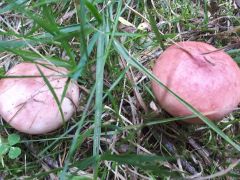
{"x": 14, "y": 152}
{"x": 3, "y": 149}
{"x": 13, "y": 139}
{"x": 2, "y": 72}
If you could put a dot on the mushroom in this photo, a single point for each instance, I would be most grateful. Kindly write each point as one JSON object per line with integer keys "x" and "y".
{"x": 205, "y": 77}
{"x": 28, "y": 104}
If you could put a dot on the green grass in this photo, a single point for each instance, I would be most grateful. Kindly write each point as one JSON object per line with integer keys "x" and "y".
{"x": 113, "y": 135}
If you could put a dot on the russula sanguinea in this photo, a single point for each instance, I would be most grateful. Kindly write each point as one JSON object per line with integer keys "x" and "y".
{"x": 203, "y": 76}
{"x": 28, "y": 105}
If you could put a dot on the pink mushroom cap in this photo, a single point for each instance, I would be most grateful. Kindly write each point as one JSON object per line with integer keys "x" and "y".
{"x": 29, "y": 106}
{"x": 203, "y": 76}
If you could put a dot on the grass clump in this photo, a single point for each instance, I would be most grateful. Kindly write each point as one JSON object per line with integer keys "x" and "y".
{"x": 119, "y": 131}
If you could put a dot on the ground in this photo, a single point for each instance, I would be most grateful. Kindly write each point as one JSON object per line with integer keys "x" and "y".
{"x": 119, "y": 131}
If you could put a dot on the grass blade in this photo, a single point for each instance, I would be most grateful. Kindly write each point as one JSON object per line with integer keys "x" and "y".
{"x": 151, "y": 163}
{"x": 77, "y": 72}
{"x": 23, "y": 41}
{"x": 99, "y": 94}
{"x": 155, "y": 30}
{"x": 12, "y": 5}
{"x": 74, "y": 143}
{"x": 53, "y": 93}
{"x": 94, "y": 11}
{"x": 32, "y": 56}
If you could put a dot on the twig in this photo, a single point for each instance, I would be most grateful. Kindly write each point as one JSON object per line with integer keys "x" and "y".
{"x": 220, "y": 173}
{"x": 203, "y": 152}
